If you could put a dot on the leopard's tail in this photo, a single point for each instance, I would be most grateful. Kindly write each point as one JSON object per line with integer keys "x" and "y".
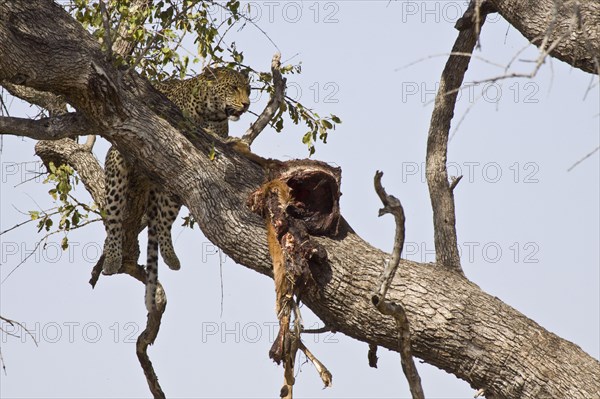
{"x": 152, "y": 255}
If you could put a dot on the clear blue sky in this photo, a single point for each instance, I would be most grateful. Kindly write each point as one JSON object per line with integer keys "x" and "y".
{"x": 528, "y": 229}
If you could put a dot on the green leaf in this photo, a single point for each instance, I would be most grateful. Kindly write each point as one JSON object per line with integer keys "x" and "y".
{"x": 212, "y": 155}
{"x": 75, "y": 218}
{"x": 64, "y": 243}
{"x": 307, "y": 138}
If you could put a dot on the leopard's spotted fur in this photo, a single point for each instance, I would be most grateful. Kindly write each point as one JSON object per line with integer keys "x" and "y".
{"x": 210, "y": 100}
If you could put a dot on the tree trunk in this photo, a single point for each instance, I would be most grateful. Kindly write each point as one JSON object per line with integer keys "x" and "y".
{"x": 455, "y": 326}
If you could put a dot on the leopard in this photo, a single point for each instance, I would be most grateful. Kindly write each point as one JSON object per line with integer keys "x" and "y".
{"x": 211, "y": 99}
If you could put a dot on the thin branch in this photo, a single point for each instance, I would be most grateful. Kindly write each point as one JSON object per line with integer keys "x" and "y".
{"x": 16, "y": 226}
{"x": 418, "y": 61}
{"x": 37, "y": 245}
{"x": 583, "y": 159}
{"x": 247, "y": 19}
{"x": 13, "y": 322}
{"x": 319, "y": 330}
{"x": 52, "y": 128}
{"x": 2, "y": 362}
{"x": 442, "y": 199}
{"x": 392, "y": 205}
{"x": 3, "y": 108}
{"x": 160, "y": 33}
{"x": 40, "y": 242}
{"x": 45, "y": 237}
{"x": 272, "y": 106}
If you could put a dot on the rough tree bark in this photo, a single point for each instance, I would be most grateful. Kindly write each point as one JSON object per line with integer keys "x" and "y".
{"x": 570, "y": 29}
{"x": 454, "y": 324}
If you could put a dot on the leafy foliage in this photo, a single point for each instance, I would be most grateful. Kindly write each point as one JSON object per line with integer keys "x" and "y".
{"x": 72, "y": 213}
{"x": 154, "y": 32}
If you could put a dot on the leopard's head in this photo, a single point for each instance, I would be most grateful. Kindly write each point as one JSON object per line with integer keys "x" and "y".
{"x": 229, "y": 91}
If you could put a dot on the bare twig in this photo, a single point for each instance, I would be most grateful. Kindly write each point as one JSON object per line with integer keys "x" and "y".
{"x": 40, "y": 242}
{"x": 247, "y": 19}
{"x": 2, "y": 362}
{"x": 418, "y": 61}
{"x": 156, "y": 35}
{"x": 392, "y": 205}
{"x": 273, "y": 104}
{"x": 583, "y": 159}
{"x": 23, "y": 328}
{"x": 37, "y": 245}
{"x": 442, "y": 198}
{"x": 319, "y": 330}
{"x": 16, "y": 226}
{"x": 13, "y": 322}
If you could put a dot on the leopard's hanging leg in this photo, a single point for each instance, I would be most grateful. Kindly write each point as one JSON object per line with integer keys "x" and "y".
{"x": 167, "y": 213}
{"x": 116, "y": 172}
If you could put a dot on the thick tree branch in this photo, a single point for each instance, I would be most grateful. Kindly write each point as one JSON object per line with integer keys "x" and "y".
{"x": 440, "y": 190}
{"x": 571, "y": 27}
{"x": 456, "y": 326}
{"x": 53, "y": 128}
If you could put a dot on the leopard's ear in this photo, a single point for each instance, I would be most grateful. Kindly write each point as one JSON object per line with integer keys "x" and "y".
{"x": 246, "y": 73}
